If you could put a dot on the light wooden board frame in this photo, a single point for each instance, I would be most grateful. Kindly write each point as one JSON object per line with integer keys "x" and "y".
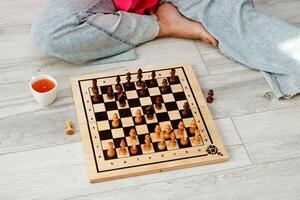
{"x": 211, "y": 149}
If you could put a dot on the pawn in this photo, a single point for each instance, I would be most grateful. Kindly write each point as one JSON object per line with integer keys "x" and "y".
{"x": 168, "y": 131}
{"x": 143, "y": 91}
{"x": 173, "y": 76}
{"x": 132, "y": 134}
{"x": 157, "y": 132}
{"x": 115, "y": 120}
{"x": 95, "y": 89}
{"x": 210, "y": 99}
{"x": 161, "y": 144}
{"x": 128, "y": 78}
{"x": 186, "y": 109}
{"x": 96, "y": 98}
{"x": 133, "y": 148}
{"x": 193, "y": 127}
{"x": 210, "y": 93}
{"x": 138, "y": 116}
{"x": 181, "y": 128}
{"x": 69, "y": 128}
{"x": 123, "y": 150}
{"x": 184, "y": 140}
{"x": 158, "y": 103}
{"x": 110, "y": 92}
{"x": 196, "y": 139}
{"x": 111, "y": 151}
{"x": 150, "y": 112}
{"x": 172, "y": 142}
{"x": 147, "y": 145}
{"x": 164, "y": 88}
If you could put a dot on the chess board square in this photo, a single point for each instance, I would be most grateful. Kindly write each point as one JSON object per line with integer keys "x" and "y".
{"x": 146, "y": 93}
{"x": 161, "y": 110}
{"x": 122, "y": 156}
{"x": 167, "y": 91}
{"x": 154, "y": 120}
{"x": 117, "y": 133}
{"x": 141, "y": 138}
{"x": 184, "y": 146}
{"x": 180, "y": 104}
{"x": 141, "y": 129}
{"x": 143, "y": 120}
{"x": 153, "y": 138}
{"x": 178, "y": 136}
{"x": 111, "y": 113}
{"x": 193, "y": 144}
{"x": 155, "y": 147}
{"x": 151, "y": 127}
{"x": 171, "y": 106}
{"x": 175, "y": 123}
{"x": 105, "y": 99}
{"x": 133, "y": 110}
{"x": 104, "y": 143}
{"x": 187, "y": 122}
{"x": 131, "y": 94}
{"x": 111, "y": 106}
{"x": 134, "y": 103}
{"x": 177, "y": 81}
{"x": 176, "y": 88}
{"x": 127, "y": 130}
{"x": 185, "y": 116}
{"x": 125, "y": 113}
{"x": 154, "y": 91}
{"x": 164, "y": 124}
{"x": 179, "y": 96}
{"x": 175, "y": 114}
{"x": 130, "y": 87}
{"x": 145, "y": 101}
{"x": 153, "y": 98}
{"x": 104, "y": 88}
{"x": 111, "y": 126}
{"x": 100, "y": 99}
{"x": 139, "y": 151}
{"x": 103, "y": 125}
{"x": 147, "y": 152}
{"x": 127, "y": 121}
{"x": 105, "y": 135}
{"x": 108, "y": 158}
{"x": 120, "y": 107}
{"x": 101, "y": 116}
{"x": 161, "y": 117}
{"x": 160, "y": 80}
{"x": 99, "y": 107}
{"x": 171, "y": 148}
{"x": 168, "y": 98}
{"x": 154, "y": 84}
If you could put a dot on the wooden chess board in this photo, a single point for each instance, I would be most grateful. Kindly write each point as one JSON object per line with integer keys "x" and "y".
{"x": 97, "y": 131}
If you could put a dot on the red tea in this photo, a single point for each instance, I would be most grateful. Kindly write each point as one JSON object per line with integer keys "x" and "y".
{"x": 43, "y": 85}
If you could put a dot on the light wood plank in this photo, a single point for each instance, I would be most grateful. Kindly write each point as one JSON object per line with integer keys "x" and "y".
{"x": 271, "y": 136}
{"x": 59, "y": 172}
{"x": 273, "y": 181}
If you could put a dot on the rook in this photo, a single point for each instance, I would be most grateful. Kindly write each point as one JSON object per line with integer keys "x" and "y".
{"x": 173, "y": 76}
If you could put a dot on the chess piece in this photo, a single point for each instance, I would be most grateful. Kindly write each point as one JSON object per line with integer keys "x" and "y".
{"x": 209, "y": 99}
{"x": 152, "y": 82}
{"x": 173, "y": 76}
{"x": 110, "y": 92}
{"x": 119, "y": 88}
{"x": 150, "y": 112}
{"x": 118, "y": 80}
{"x": 96, "y": 98}
{"x": 122, "y": 99}
{"x": 111, "y": 151}
{"x": 115, "y": 121}
{"x": 161, "y": 144}
{"x": 133, "y": 148}
{"x": 186, "y": 109}
{"x": 157, "y": 132}
{"x": 193, "y": 127}
{"x": 184, "y": 140}
{"x": 181, "y": 128}
{"x": 196, "y": 139}
{"x": 158, "y": 104}
{"x": 138, "y": 116}
{"x": 132, "y": 134}
{"x": 69, "y": 128}
{"x": 168, "y": 131}
{"x": 164, "y": 87}
{"x": 172, "y": 142}
{"x": 128, "y": 78}
{"x": 139, "y": 77}
{"x": 147, "y": 145}
{"x": 143, "y": 91}
{"x": 210, "y": 93}
{"x": 123, "y": 150}
{"x": 95, "y": 88}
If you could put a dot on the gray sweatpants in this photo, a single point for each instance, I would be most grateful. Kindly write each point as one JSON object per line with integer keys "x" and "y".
{"x": 91, "y": 31}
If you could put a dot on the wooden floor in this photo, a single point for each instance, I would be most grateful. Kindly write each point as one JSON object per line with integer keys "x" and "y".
{"x": 38, "y": 160}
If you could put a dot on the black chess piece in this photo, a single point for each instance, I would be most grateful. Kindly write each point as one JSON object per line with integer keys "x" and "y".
{"x": 152, "y": 82}
{"x": 96, "y": 98}
{"x": 110, "y": 93}
{"x": 139, "y": 77}
{"x": 186, "y": 109}
{"x": 164, "y": 88}
{"x": 158, "y": 103}
{"x": 118, "y": 85}
{"x": 122, "y": 99}
{"x": 128, "y": 78}
{"x": 143, "y": 91}
{"x": 209, "y": 99}
{"x": 210, "y": 93}
{"x": 150, "y": 112}
{"x": 119, "y": 88}
{"x": 95, "y": 88}
{"x": 173, "y": 76}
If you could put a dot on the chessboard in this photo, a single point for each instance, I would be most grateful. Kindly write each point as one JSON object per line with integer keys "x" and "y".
{"x": 142, "y": 121}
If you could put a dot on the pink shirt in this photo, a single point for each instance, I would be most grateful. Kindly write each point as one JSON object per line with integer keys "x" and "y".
{"x": 137, "y": 6}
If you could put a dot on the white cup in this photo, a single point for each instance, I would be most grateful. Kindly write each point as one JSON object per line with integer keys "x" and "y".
{"x": 44, "y": 98}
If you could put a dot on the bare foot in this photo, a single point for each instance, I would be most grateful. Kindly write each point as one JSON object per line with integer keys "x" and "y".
{"x": 173, "y": 24}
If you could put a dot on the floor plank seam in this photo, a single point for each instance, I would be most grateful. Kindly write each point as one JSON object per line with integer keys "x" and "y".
{"x": 206, "y": 67}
